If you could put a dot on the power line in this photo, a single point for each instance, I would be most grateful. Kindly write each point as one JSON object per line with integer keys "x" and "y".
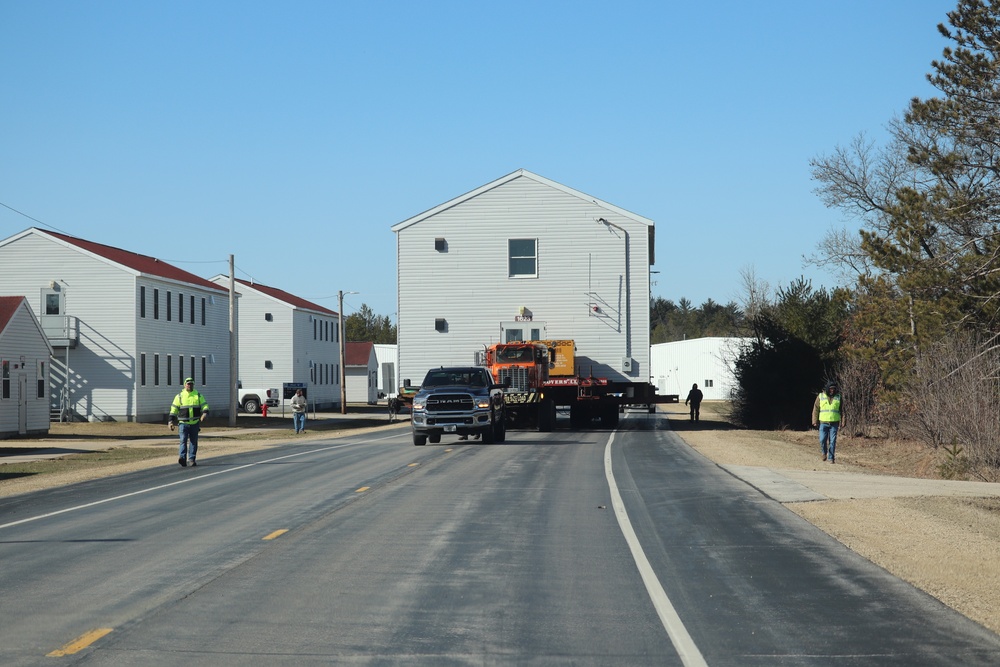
{"x": 34, "y": 219}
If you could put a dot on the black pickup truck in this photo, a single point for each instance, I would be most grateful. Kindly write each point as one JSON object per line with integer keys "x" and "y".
{"x": 460, "y": 400}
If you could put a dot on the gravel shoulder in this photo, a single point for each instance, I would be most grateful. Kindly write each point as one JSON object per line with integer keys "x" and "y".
{"x": 883, "y": 500}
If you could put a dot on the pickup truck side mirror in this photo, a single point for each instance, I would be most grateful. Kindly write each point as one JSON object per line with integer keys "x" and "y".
{"x": 505, "y": 384}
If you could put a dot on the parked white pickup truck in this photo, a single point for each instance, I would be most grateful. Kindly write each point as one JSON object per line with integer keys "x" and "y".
{"x": 251, "y": 399}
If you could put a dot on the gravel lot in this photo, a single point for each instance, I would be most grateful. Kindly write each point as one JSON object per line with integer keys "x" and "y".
{"x": 943, "y": 543}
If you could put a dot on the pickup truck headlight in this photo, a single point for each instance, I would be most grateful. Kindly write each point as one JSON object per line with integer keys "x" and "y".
{"x": 418, "y": 405}
{"x": 483, "y": 402}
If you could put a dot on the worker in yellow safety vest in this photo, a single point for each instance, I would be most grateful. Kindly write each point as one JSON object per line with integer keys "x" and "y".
{"x": 190, "y": 409}
{"x": 828, "y": 416}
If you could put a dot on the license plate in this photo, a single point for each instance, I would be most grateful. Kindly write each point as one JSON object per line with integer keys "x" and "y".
{"x": 450, "y": 428}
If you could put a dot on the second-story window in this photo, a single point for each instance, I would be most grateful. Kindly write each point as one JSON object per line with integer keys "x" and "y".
{"x": 522, "y": 258}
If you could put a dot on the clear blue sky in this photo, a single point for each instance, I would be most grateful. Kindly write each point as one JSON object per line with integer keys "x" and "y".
{"x": 294, "y": 134}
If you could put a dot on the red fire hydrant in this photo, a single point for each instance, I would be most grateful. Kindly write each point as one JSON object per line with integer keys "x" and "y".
{"x": 263, "y": 409}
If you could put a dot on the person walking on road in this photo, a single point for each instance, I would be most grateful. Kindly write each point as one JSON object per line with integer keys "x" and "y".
{"x": 694, "y": 398}
{"x": 189, "y": 408}
{"x": 299, "y": 411}
{"x": 828, "y": 416}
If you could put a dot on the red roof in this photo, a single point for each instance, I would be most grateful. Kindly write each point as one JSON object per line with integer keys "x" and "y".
{"x": 290, "y": 299}
{"x": 8, "y": 306}
{"x": 357, "y": 354}
{"x": 141, "y": 263}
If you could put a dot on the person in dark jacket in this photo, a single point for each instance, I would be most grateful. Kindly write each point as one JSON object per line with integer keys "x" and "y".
{"x": 694, "y": 399}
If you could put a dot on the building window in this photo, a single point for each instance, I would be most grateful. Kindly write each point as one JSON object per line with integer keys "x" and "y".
{"x": 192, "y": 310}
{"x": 156, "y": 304}
{"x": 268, "y": 365}
{"x": 315, "y": 324}
{"x": 268, "y": 317}
{"x": 202, "y": 311}
{"x": 180, "y": 369}
{"x": 204, "y": 374}
{"x": 156, "y": 370}
{"x": 42, "y": 380}
{"x": 440, "y": 245}
{"x": 142, "y": 369}
{"x": 170, "y": 374}
{"x": 52, "y": 304}
{"x": 180, "y": 307}
{"x": 522, "y": 258}
{"x": 5, "y": 378}
{"x": 168, "y": 306}
{"x": 142, "y": 301}
{"x": 193, "y": 367}
{"x": 708, "y": 383}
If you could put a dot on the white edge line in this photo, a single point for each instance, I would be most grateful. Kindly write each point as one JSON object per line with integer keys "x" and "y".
{"x": 686, "y": 648}
{"x": 165, "y": 486}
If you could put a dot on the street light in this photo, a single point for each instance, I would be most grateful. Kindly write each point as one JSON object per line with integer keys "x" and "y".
{"x": 343, "y": 361}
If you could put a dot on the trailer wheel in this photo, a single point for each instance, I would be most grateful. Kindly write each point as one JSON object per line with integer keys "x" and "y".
{"x": 609, "y": 417}
{"x": 579, "y": 416}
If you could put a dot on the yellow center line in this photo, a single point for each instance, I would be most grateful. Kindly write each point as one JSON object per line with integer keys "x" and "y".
{"x": 277, "y": 533}
{"x": 448, "y": 450}
{"x": 80, "y": 643}
{"x": 412, "y": 465}
{"x": 363, "y": 488}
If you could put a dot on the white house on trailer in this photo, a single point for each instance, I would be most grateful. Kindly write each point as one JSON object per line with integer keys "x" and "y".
{"x": 525, "y": 258}
{"x": 388, "y": 361}
{"x": 126, "y": 328}
{"x": 361, "y": 370}
{"x": 707, "y": 362}
{"x": 24, "y": 370}
{"x": 284, "y": 338}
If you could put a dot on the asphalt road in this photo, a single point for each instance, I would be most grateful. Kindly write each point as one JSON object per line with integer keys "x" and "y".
{"x": 595, "y": 548}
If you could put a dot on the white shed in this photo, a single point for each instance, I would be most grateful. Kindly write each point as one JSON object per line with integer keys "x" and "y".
{"x": 520, "y": 258}
{"x": 387, "y": 357}
{"x": 361, "y": 370}
{"x": 24, "y": 370}
{"x": 707, "y": 362}
{"x": 126, "y": 328}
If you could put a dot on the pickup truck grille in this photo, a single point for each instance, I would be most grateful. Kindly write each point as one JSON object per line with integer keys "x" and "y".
{"x": 449, "y": 403}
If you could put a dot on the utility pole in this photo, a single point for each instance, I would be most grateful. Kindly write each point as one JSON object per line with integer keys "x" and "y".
{"x": 340, "y": 336}
{"x": 234, "y": 340}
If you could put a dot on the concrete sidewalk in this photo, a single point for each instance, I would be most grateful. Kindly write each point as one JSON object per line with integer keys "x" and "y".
{"x": 794, "y": 486}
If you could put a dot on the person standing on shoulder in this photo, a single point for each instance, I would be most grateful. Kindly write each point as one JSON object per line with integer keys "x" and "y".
{"x": 189, "y": 408}
{"x": 299, "y": 411}
{"x": 828, "y": 416}
{"x": 694, "y": 398}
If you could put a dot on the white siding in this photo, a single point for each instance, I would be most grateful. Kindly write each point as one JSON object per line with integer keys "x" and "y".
{"x": 581, "y": 263}
{"x": 174, "y": 338}
{"x": 707, "y": 362}
{"x": 22, "y": 339}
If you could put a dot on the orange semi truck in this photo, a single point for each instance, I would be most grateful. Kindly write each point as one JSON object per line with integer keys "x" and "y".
{"x": 543, "y": 377}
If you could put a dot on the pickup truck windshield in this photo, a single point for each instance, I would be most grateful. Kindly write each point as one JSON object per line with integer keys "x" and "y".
{"x": 470, "y": 378}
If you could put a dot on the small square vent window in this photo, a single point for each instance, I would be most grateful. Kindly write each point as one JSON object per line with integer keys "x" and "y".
{"x": 440, "y": 324}
{"x": 268, "y": 365}
{"x": 440, "y": 245}
{"x": 268, "y": 317}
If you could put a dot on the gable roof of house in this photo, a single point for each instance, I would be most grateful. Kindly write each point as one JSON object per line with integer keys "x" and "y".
{"x": 9, "y": 306}
{"x": 520, "y": 173}
{"x": 357, "y": 354}
{"x": 287, "y": 298}
{"x": 140, "y": 264}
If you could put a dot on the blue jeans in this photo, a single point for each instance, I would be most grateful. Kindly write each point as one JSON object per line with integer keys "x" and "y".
{"x": 828, "y": 438}
{"x": 299, "y": 421}
{"x": 189, "y": 432}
